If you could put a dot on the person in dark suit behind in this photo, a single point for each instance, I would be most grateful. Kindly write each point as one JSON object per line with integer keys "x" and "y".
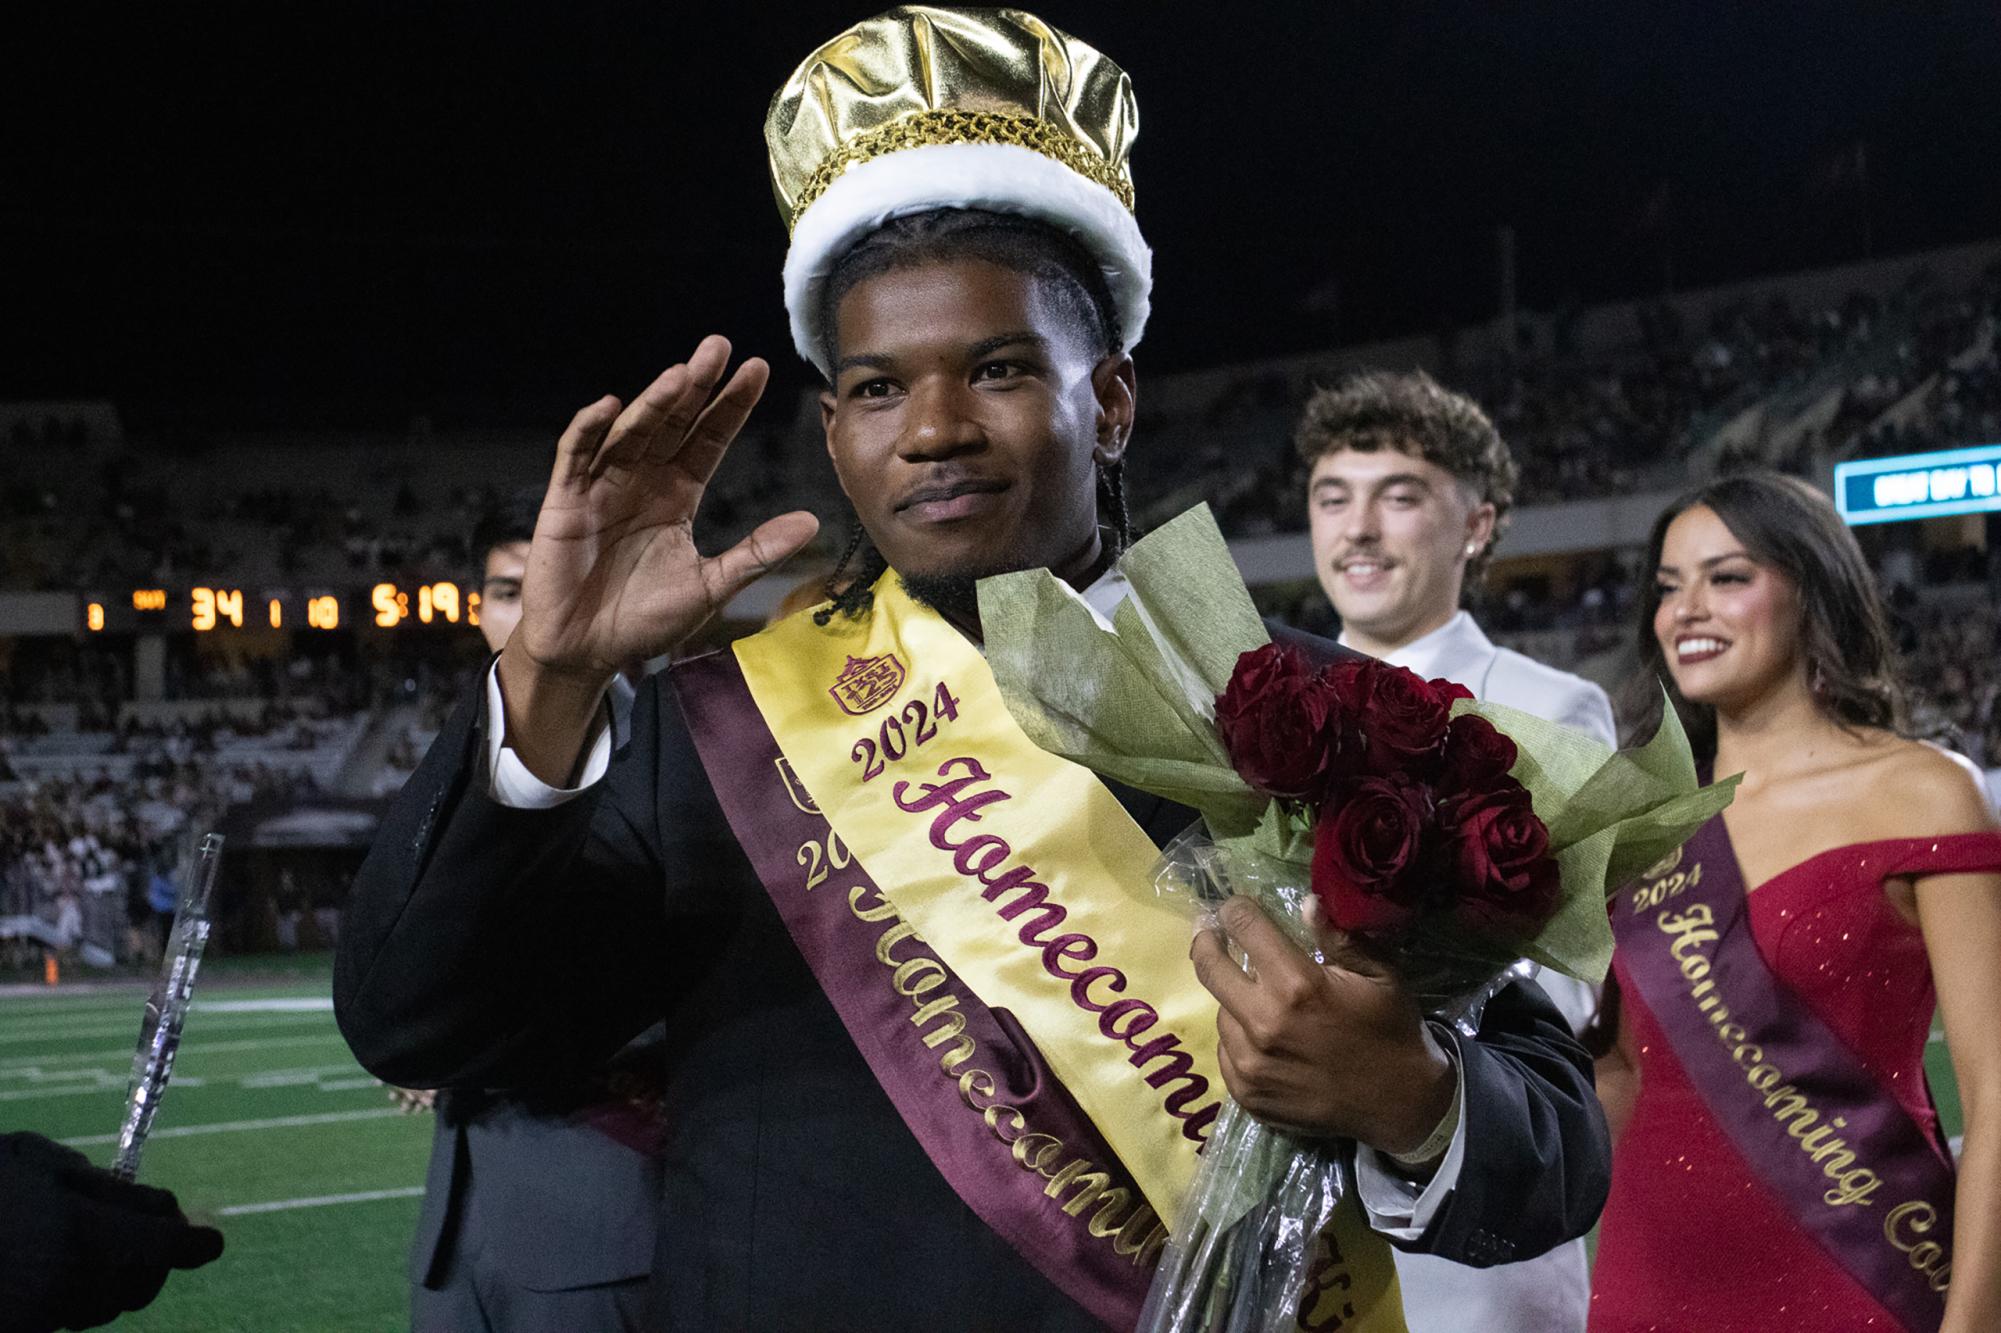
{"x": 539, "y": 892}
{"x": 540, "y": 1206}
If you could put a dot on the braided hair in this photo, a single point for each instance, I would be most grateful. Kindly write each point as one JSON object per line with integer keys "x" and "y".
{"x": 852, "y": 595}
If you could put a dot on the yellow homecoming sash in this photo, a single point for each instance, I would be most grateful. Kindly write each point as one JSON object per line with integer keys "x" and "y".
{"x": 1029, "y": 879}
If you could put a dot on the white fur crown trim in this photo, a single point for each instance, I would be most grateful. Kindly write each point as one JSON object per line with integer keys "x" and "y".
{"x": 1003, "y": 178}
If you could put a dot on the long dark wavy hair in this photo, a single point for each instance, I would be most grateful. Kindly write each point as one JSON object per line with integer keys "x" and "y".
{"x": 1787, "y": 525}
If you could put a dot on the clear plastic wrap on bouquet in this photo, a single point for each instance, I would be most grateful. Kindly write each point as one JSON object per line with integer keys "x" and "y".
{"x": 1254, "y": 1225}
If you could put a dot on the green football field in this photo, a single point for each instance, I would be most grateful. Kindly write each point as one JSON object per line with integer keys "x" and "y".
{"x": 271, "y": 1132}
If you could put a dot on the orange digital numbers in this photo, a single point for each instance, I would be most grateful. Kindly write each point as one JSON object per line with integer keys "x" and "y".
{"x": 149, "y": 599}
{"x": 212, "y": 606}
{"x": 472, "y": 609}
{"x": 440, "y": 599}
{"x": 392, "y": 606}
{"x": 277, "y": 615}
{"x": 323, "y": 612}
{"x": 93, "y": 616}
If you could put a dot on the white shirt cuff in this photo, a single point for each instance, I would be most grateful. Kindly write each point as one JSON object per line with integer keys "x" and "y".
{"x": 508, "y": 780}
{"x": 1397, "y": 1207}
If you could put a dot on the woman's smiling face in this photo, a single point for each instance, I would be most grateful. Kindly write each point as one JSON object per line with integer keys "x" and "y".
{"x": 1728, "y": 626}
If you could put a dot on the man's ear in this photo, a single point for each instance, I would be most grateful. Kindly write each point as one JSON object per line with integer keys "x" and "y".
{"x": 1480, "y": 528}
{"x": 1116, "y": 388}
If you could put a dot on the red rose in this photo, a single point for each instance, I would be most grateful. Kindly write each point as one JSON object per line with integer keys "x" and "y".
{"x": 1477, "y": 756}
{"x": 1275, "y": 719}
{"x": 1366, "y": 841}
{"x": 1503, "y": 875}
{"x": 1401, "y": 718}
{"x": 1449, "y": 690}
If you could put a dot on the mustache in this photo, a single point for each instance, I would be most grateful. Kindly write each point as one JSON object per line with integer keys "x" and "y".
{"x": 947, "y": 484}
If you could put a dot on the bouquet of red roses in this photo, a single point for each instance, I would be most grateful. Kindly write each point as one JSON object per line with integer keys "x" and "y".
{"x": 1449, "y": 838}
{"x": 1425, "y": 848}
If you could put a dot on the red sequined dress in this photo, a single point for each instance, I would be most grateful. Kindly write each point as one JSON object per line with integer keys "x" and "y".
{"x": 1691, "y": 1241}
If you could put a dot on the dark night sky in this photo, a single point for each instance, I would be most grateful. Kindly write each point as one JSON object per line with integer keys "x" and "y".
{"x": 292, "y": 213}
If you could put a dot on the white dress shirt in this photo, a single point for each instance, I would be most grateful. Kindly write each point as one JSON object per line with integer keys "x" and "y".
{"x": 1553, "y": 1291}
{"x": 1396, "y": 1206}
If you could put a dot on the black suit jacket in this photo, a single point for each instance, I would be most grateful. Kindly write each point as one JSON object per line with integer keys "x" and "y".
{"x": 493, "y": 946}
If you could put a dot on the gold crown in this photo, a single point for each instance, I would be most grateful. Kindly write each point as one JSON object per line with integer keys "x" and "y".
{"x": 920, "y": 75}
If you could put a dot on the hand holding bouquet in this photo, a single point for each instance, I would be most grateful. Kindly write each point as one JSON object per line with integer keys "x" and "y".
{"x": 1446, "y": 837}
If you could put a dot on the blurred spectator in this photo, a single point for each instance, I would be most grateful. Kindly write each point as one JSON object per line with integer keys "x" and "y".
{"x": 289, "y": 904}
{"x": 327, "y": 897}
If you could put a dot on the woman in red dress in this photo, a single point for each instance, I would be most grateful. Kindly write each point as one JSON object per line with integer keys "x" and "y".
{"x": 1874, "y": 864}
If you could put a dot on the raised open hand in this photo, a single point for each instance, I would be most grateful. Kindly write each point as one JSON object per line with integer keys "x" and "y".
{"x": 613, "y": 575}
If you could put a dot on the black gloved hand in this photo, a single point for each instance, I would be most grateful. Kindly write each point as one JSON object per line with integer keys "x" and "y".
{"x": 78, "y": 1246}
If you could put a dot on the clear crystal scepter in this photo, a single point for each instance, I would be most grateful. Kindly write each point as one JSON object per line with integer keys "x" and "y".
{"x": 160, "y": 1028}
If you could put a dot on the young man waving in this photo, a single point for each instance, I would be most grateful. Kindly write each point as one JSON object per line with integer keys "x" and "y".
{"x": 914, "y": 1008}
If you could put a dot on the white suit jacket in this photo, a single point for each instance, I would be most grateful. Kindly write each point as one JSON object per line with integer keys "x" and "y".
{"x": 1551, "y": 1293}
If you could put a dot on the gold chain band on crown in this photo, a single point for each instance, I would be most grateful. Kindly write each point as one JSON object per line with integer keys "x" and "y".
{"x": 943, "y": 127}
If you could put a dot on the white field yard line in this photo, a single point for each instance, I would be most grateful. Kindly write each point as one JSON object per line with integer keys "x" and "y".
{"x": 283, "y": 1004}
{"x": 69, "y": 1023}
{"x": 245, "y": 1126}
{"x": 95, "y": 1003}
{"x": 16, "y": 1034}
{"x": 124, "y": 1001}
{"x": 109, "y": 1083}
{"x": 92, "y": 1080}
{"x": 34, "y": 1073}
{"x": 320, "y": 1201}
{"x": 292, "y": 1078}
{"x": 193, "y": 1048}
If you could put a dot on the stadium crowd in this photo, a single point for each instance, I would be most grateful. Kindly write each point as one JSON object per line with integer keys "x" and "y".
{"x": 1916, "y": 370}
{"x": 1589, "y": 424}
{"x": 96, "y": 859}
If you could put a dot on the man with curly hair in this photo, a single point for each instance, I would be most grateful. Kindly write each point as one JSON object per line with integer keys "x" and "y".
{"x": 1409, "y": 491}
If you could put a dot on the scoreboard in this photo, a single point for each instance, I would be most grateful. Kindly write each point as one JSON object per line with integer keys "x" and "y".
{"x": 223, "y": 607}
{"x": 1939, "y": 485}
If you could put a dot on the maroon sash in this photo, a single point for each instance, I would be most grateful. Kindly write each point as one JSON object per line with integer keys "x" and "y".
{"x": 1840, "y": 1153}
{"x": 965, "y": 1078}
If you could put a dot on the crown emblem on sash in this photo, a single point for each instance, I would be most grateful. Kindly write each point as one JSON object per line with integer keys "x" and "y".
{"x": 867, "y": 683}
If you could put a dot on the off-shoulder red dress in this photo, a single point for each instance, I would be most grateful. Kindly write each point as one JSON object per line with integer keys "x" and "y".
{"x": 1691, "y": 1241}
